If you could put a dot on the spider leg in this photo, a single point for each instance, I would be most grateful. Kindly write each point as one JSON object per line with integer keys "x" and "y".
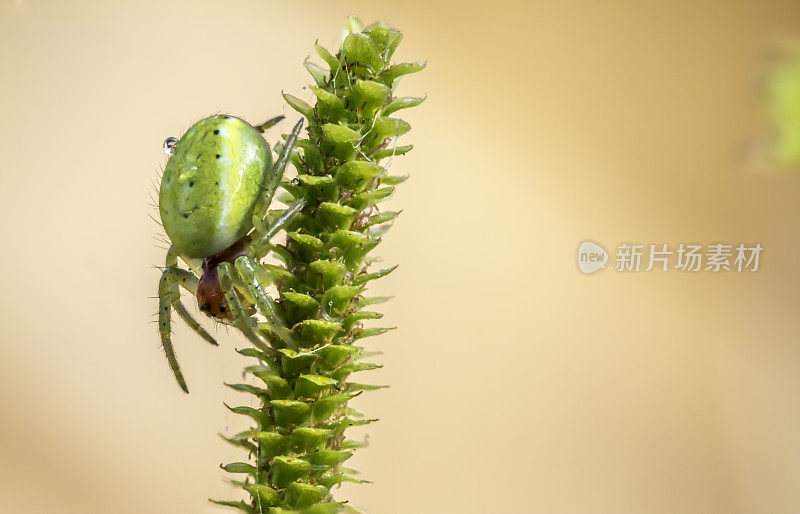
{"x": 165, "y": 302}
{"x": 169, "y": 298}
{"x": 275, "y": 175}
{"x": 187, "y": 280}
{"x": 265, "y": 303}
{"x": 269, "y": 123}
{"x": 240, "y": 319}
{"x": 193, "y": 323}
{"x": 184, "y": 278}
{"x": 262, "y": 240}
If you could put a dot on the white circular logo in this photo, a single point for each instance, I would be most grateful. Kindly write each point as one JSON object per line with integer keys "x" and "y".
{"x": 591, "y": 257}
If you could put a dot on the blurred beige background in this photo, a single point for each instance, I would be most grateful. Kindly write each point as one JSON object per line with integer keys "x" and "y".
{"x": 518, "y": 384}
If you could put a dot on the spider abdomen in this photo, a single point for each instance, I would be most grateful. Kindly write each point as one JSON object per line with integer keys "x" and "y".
{"x": 211, "y": 184}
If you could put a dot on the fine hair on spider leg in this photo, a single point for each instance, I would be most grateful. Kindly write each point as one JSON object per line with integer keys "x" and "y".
{"x": 240, "y": 319}
{"x": 269, "y": 123}
{"x": 275, "y": 176}
{"x": 247, "y": 268}
{"x": 173, "y": 278}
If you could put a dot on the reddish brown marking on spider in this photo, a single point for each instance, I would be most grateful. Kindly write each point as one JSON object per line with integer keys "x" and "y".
{"x": 210, "y": 297}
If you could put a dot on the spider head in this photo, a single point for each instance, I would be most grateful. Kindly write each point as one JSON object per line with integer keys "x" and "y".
{"x": 210, "y": 298}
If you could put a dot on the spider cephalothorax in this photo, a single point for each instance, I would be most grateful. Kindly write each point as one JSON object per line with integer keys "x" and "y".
{"x": 210, "y": 297}
{"x": 213, "y": 200}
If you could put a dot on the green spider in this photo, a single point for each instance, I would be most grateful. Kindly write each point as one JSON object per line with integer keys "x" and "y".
{"x": 215, "y": 191}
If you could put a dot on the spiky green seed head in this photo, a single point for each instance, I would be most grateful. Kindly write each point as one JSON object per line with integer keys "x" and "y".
{"x": 211, "y": 184}
{"x": 299, "y": 443}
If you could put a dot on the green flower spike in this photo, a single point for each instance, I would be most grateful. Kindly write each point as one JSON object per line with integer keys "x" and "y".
{"x": 314, "y": 329}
